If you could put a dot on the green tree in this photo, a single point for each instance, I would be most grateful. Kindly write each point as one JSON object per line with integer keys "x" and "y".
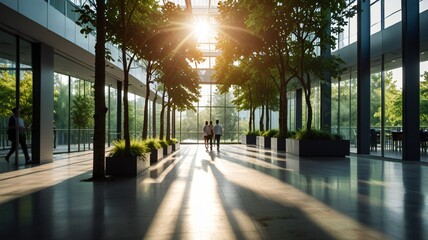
{"x": 7, "y": 93}
{"x": 175, "y": 75}
{"x": 90, "y": 20}
{"x": 82, "y": 112}
{"x": 424, "y": 100}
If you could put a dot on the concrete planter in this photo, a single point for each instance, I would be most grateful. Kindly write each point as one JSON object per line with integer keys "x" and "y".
{"x": 156, "y": 155}
{"x": 317, "y": 148}
{"x": 167, "y": 150}
{"x": 264, "y": 141}
{"x": 127, "y": 166}
{"x": 249, "y": 139}
{"x": 175, "y": 147}
{"x": 277, "y": 144}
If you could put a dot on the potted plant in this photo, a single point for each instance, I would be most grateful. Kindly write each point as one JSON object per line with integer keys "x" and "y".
{"x": 121, "y": 162}
{"x": 174, "y": 143}
{"x": 155, "y": 149}
{"x": 278, "y": 143}
{"x": 167, "y": 148}
{"x": 250, "y": 137}
{"x": 265, "y": 139}
{"x": 317, "y": 143}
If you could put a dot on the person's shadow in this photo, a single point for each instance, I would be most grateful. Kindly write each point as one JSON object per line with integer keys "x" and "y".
{"x": 212, "y": 155}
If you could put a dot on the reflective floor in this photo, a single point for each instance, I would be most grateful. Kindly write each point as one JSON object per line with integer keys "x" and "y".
{"x": 240, "y": 192}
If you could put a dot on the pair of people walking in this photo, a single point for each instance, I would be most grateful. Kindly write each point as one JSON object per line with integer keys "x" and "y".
{"x": 211, "y": 131}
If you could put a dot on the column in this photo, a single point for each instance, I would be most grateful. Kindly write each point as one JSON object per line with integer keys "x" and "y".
{"x": 363, "y": 75}
{"x": 410, "y": 48}
{"x": 43, "y": 95}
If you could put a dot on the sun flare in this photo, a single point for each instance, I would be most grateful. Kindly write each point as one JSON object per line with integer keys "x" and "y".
{"x": 201, "y": 30}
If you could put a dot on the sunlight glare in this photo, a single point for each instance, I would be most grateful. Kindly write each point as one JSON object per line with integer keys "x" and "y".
{"x": 201, "y": 30}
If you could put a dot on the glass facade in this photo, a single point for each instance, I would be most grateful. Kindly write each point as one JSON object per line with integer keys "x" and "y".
{"x": 16, "y": 83}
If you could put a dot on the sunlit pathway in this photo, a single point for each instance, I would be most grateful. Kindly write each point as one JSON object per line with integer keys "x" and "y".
{"x": 238, "y": 193}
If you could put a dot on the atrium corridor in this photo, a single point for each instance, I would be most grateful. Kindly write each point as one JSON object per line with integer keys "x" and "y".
{"x": 239, "y": 192}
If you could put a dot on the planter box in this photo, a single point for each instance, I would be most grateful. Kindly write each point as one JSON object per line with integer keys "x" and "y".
{"x": 167, "y": 150}
{"x": 249, "y": 139}
{"x": 127, "y": 166}
{"x": 318, "y": 148}
{"x": 277, "y": 144}
{"x": 175, "y": 147}
{"x": 156, "y": 155}
{"x": 264, "y": 141}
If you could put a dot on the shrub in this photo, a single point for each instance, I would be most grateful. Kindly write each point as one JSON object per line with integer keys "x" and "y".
{"x": 163, "y": 143}
{"x": 316, "y": 135}
{"x": 270, "y": 133}
{"x": 290, "y": 134}
{"x": 152, "y": 144}
{"x": 253, "y": 133}
{"x": 137, "y": 148}
{"x": 172, "y": 141}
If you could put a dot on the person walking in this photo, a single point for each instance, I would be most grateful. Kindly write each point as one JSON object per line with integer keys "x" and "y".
{"x": 218, "y": 131}
{"x": 211, "y": 135}
{"x": 206, "y": 132}
{"x": 16, "y": 123}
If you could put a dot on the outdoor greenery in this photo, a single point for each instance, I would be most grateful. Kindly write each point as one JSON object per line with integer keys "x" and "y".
{"x": 315, "y": 134}
{"x": 7, "y": 93}
{"x": 138, "y": 148}
{"x": 152, "y": 144}
{"x": 282, "y": 41}
{"x": 270, "y": 133}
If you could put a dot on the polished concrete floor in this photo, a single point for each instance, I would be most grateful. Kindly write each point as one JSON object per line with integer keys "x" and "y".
{"x": 240, "y": 192}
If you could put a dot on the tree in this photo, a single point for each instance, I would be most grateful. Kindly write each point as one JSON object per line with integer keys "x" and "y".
{"x": 168, "y": 53}
{"x": 308, "y": 27}
{"x": 93, "y": 14}
{"x": 424, "y": 100}
{"x": 129, "y": 22}
{"x": 82, "y": 112}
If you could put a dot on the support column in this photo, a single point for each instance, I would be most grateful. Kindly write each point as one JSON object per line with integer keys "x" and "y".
{"x": 43, "y": 89}
{"x": 325, "y": 85}
{"x": 363, "y": 75}
{"x": 410, "y": 47}
{"x": 326, "y": 103}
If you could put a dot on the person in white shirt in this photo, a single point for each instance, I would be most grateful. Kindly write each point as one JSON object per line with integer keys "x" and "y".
{"x": 207, "y": 132}
{"x": 217, "y": 133}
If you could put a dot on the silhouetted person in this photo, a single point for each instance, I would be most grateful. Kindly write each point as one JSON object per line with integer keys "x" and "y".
{"x": 211, "y": 134}
{"x": 217, "y": 133}
{"x": 17, "y": 123}
{"x": 206, "y": 134}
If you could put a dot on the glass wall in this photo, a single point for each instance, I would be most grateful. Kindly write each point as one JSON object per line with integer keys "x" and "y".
{"x": 376, "y": 111}
{"x": 211, "y": 107}
{"x": 16, "y": 84}
{"x": 424, "y": 107}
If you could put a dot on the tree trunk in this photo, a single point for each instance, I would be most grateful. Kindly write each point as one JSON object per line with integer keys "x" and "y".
{"x": 262, "y": 127}
{"x": 154, "y": 114}
{"x": 98, "y": 171}
{"x": 267, "y": 125}
{"x": 168, "y": 119}
{"x": 173, "y": 123}
{"x": 308, "y": 104}
{"x": 146, "y": 101}
{"x": 253, "y": 116}
{"x": 125, "y": 80}
{"x": 162, "y": 118}
{"x": 283, "y": 108}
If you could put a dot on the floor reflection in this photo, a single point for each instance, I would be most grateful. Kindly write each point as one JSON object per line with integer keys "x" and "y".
{"x": 240, "y": 192}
